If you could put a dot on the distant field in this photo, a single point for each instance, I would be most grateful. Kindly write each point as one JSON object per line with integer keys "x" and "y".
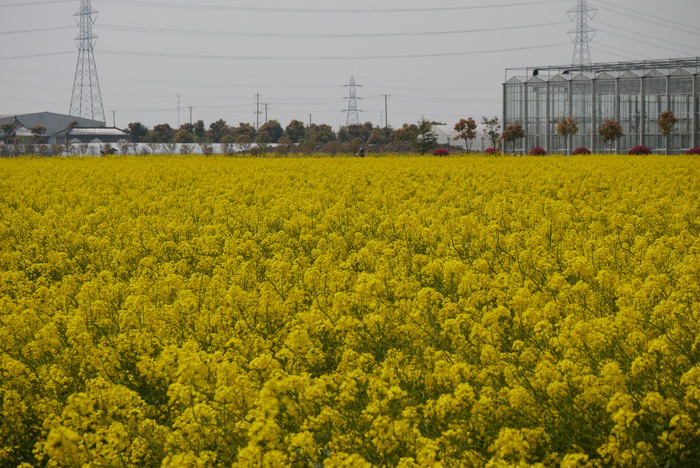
{"x": 193, "y": 311}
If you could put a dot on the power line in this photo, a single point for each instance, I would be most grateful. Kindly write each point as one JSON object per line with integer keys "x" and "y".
{"x": 45, "y": 2}
{"x": 616, "y": 34}
{"x": 628, "y": 53}
{"x": 322, "y": 58}
{"x": 26, "y": 31}
{"x": 323, "y": 10}
{"x": 641, "y": 16}
{"x": 640, "y": 34}
{"x": 48, "y": 54}
{"x": 180, "y": 32}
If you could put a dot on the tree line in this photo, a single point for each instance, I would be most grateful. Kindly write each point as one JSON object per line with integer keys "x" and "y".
{"x": 419, "y": 136}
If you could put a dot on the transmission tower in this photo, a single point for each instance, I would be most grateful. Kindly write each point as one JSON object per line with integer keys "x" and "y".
{"x": 87, "y": 99}
{"x": 353, "y": 116}
{"x": 582, "y": 35}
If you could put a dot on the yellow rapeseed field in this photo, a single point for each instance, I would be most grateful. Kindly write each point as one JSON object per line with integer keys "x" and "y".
{"x": 474, "y": 311}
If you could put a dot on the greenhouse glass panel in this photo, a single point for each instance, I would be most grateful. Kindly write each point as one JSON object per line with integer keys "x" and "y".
{"x": 654, "y": 104}
{"x": 605, "y": 98}
{"x": 630, "y": 105}
{"x": 536, "y": 114}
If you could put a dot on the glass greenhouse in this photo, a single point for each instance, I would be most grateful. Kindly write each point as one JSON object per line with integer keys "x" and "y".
{"x": 631, "y": 93}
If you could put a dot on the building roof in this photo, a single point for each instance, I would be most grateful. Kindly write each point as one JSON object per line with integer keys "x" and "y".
{"x": 20, "y": 129}
{"x": 93, "y": 131}
{"x": 53, "y": 122}
{"x": 687, "y": 66}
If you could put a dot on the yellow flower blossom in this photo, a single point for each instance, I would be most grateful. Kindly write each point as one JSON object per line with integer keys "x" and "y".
{"x": 393, "y": 311}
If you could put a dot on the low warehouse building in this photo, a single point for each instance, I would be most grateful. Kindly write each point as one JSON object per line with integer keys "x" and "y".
{"x": 77, "y": 135}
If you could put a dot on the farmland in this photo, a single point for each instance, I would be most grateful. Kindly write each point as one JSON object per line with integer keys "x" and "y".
{"x": 192, "y": 311}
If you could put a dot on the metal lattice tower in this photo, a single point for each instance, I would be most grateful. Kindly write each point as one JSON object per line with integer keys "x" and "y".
{"x": 583, "y": 34}
{"x": 86, "y": 101}
{"x": 353, "y": 116}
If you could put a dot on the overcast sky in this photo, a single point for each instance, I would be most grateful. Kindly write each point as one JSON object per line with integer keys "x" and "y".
{"x": 444, "y": 62}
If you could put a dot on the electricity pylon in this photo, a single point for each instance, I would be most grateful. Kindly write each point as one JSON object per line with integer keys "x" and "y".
{"x": 86, "y": 100}
{"x": 583, "y": 34}
{"x": 353, "y": 116}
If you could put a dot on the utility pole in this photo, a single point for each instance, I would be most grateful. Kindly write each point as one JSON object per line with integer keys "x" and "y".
{"x": 386, "y": 110}
{"x": 257, "y": 111}
{"x": 190, "y": 108}
{"x": 114, "y": 119}
{"x": 178, "y": 111}
{"x": 86, "y": 100}
{"x": 582, "y": 35}
{"x": 309, "y": 120}
{"x": 267, "y": 106}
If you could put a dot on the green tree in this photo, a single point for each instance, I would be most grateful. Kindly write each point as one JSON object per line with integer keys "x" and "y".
{"x": 136, "y": 129}
{"x": 365, "y": 131}
{"x": 183, "y": 136}
{"x": 245, "y": 129}
{"x": 284, "y": 145}
{"x": 9, "y": 132}
{"x": 295, "y": 131}
{"x": 161, "y": 133}
{"x": 244, "y": 141}
{"x": 493, "y": 131}
{"x": 407, "y": 133}
{"x": 466, "y": 130}
{"x": 273, "y": 129}
{"x": 610, "y": 131}
{"x": 352, "y": 132}
{"x": 376, "y": 137}
{"x": 322, "y": 133}
{"x": 567, "y": 127}
{"x": 263, "y": 141}
{"x": 513, "y": 133}
{"x": 189, "y": 127}
{"x": 227, "y": 144}
{"x": 666, "y": 122}
{"x": 344, "y": 135}
{"x": 426, "y": 138}
{"x": 309, "y": 145}
{"x": 199, "y": 130}
{"x": 217, "y": 130}
{"x": 38, "y": 134}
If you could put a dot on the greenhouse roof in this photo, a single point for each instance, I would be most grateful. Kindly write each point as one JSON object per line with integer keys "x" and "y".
{"x": 690, "y": 65}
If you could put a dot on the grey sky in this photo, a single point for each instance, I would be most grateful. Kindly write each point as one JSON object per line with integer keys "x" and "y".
{"x": 246, "y": 51}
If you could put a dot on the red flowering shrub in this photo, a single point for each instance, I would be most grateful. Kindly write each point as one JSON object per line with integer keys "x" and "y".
{"x": 639, "y": 150}
{"x": 582, "y": 150}
{"x": 440, "y": 152}
{"x": 491, "y": 151}
{"x": 693, "y": 151}
{"x": 537, "y": 151}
